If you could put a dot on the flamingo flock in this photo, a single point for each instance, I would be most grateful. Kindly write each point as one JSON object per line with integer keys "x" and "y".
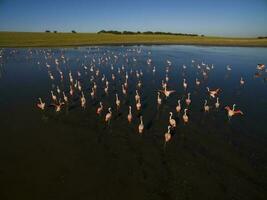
{"x": 116, "y": 78}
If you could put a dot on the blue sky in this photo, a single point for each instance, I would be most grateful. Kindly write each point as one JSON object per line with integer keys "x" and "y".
{"x": 209, "y": 17}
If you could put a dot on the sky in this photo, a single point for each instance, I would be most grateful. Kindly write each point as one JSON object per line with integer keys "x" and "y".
{"x": 209, "y": 17}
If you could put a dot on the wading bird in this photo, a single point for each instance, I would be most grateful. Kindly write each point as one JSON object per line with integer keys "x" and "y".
{"x": 185, "y": 117}
{"x": 41, "y": 104}
{"x": 172, "y": 121}
{"x": 178, "y": 107}
{"x": 130, "y": 116}
{"x": 232, "y": 112}
{"x": 99, "y": 109}
{"x": 168, "y": 135}
{"x": 141, "y": 125}
{"x": 108, "y": 116}
{"x": 213, "y": 93}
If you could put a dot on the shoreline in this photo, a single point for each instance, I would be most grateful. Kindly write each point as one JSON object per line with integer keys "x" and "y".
{"x": 69, "y": 40}
{"x": 134, "y": 44}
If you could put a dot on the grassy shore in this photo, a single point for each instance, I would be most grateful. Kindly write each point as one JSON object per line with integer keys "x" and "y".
{"x": 27, "y": 39}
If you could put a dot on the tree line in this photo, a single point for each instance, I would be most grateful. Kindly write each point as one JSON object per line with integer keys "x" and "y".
{"x": 146, "y": 32}
{"x": 48, "y": 31}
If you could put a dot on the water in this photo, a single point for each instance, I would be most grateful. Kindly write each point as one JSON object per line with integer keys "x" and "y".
{"x": 74, "y": 154}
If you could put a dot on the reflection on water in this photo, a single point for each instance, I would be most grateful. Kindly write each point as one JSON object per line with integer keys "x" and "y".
{"x": 76, "y": 153}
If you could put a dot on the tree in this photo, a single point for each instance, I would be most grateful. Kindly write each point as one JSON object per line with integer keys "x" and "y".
{"x": 73, "y": 31}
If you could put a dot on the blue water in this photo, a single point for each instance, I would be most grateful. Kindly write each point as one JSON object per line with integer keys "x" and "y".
{"x": 74, "y": 154}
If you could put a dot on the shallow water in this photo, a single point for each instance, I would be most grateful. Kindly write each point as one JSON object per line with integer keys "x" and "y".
{"x": 74, "y": 154}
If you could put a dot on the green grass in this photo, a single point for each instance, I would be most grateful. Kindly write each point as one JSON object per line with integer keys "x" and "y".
{"x": 27, "y": 39}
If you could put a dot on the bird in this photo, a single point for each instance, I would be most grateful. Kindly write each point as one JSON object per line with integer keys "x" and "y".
{"x": 217, "y": 104}
{"x": 65, "y": 97}
{"x": 242, "y": 82}
{"x": 141, "y": 125}
{"x": 228, "y": 67}
{"x": 260, "y": 66}
{"x": 138, "y": 104}
{"x": 206, "y": 107}
{"x": 184, "y": 84}
{"x": 172, "y": 121}
{"x": 130, "y": 116}
{"x": 185, "y": 117}
{"x": 137, "y": 96}
{"x": 58, "y": 106}
{"x": 123, "y": 89}
{"x": 188, "y": 100}
{"x": 54, "y": 97}
{"x": 213, "y": 93}
{"x": 178, "y": 107}
{"x": 197, "y": 82}
{"x": 166, "y": 92}
{"x": 108, "y": 115}
{"x": 159, "y": 99}
{"x": 83, "y": 101}
{"x": 71, "y": 91}
{"x": 92, "y": 93}
{"x": 232, "y": 112}
{"x": 168, "y": 135}
{"x": 58, "y": 90}
{"x": 99, "y": 109}
{"x": 118, "y": 102}
{"x": 41, "y": 104}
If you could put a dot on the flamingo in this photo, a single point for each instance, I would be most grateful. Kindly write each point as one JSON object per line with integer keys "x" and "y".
{"x": 54, "y": 97}
{"x": 141, "y": 125}
{"x": 138, "y": 105}
{"x": 228, "y": 67}
{"x": 99, "y": 109}
{"x": 260, "y": 66}
{"x": 197, "y": 82}
{"x": 159, "y": 99}
{"x": 217, "y": 104}
{"x": 178, "y": 107}
{"x": 137, "y": 96}
{"x": 106, "y": 89}
{"x": 58, "y": 90}
{"x": 242, "y": 82}
{"x": 58, "y": 106}
{"x": 118, "y": 102}
{"x": 185, "y": 117}
{"x": 168, "y": 135}
{"x": 232, "y": 112}
{"x": 108, "y": 116}
{"x": 213, "y": 93}
{"x": 184, "y": 84}
{"x": 123, "y": 89}
{"x": 166, "y": 92}
{"x": 65, "y": 97}
{"x": 130, "y": 116}
{"x": 188, "y": 100}
{"x": 83, "y": 101}
{"x": 172, "y": 121}
{"x": 71, "y": 91}
{"x": 92, "y": 93}
{"x": 139, "y": 84}
{"x": 167, "y": 78}
{"x": 206, "y": 107}
{"x": 41, "y": 104}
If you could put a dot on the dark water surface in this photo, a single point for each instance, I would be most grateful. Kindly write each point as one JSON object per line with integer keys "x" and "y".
{"x": 74, "y": 154}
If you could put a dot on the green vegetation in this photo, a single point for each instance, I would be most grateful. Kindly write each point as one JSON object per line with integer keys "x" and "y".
{"x": 146, "y": 33}
{"x": 49, "y": 39}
